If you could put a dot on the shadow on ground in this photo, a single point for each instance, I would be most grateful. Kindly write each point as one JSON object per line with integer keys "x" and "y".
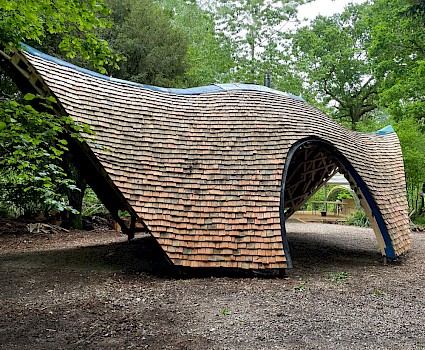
{"x": 308, "y": 251}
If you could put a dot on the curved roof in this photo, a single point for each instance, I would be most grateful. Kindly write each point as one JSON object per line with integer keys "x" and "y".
{"x": 203, "y": 167}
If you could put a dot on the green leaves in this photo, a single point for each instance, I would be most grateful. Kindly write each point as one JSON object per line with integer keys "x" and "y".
{"x": 74, "y": 21}
{"x": 335, "y": 277}
{"x": 33, "y": 144}
{"x": 332, "y": 55}
{"x": 398, "y": 51}
{"x": 254, "y": 31}
{"x": 29, "y": 97}
{"x": 154, "y": 49}
{"x": 208, "y": 57}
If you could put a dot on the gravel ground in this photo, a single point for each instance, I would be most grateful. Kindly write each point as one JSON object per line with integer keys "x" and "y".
{"x": 91, "y": 291}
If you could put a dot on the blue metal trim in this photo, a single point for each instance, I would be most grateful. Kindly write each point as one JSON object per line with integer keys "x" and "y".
{"x": 384, "y": 131}
{"x": 288, "y": 161}
{"x": 387, "y": 130}
{"x": 189, "y": 91}
{"x": 389, "y": 249}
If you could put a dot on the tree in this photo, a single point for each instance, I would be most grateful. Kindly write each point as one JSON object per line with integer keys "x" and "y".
{"x": 398, "y": 53}
{"x": 331, "y": 54}
{"x": 413, "y": 144}
{"x": 32, "y": 139}
{"x": 76, "y": 22}
{"x": 256, "y": 32}
{"x": 417, "y": 8}
{"x": 208, "y": 57}
{"x": 155, "y": 50}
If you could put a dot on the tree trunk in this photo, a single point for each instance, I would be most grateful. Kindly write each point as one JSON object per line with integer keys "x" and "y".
{"x": 422, "y": 197}
{"x": 75, "y": 197}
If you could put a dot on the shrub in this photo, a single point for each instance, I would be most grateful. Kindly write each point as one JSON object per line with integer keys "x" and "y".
{"x": 359, "y": 219}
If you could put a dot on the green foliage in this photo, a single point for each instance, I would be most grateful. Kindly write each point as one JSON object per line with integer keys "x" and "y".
{"x": 419, "y": 219}
{"x": 225, "y": 312}
{"x": 332, "y": 55}
{"x": 92, "y": 204}
{"x": 345, "y": 194}
{"x": 254, "y": 31}
{"x": 335, "y": 277}
{"x": 318, "y": 196}
{"x": 300, "y": 288}
{"x": 75, "y": 21}
{"x": 412, "y": 141}
{"x": 208, "y": 58}
{"x": 33, "y": 144}
{"x": 155, "y": 51}
{"x": 398, "y": 53}
{"x": 358, "y": 219}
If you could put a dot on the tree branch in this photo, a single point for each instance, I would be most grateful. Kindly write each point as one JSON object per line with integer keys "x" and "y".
{"x": 325, "y": 88}
{"x": 418, "y": 46}
{"x": 366, "y": 109}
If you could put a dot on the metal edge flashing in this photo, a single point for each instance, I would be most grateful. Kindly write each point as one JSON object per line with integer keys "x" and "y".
{"x": 389, "y": 249}
{"x": 384, "y": 131}
{"x": 207, "y": 89}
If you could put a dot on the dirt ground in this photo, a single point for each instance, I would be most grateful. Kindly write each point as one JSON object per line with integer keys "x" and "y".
{"x": 94, "y": 290}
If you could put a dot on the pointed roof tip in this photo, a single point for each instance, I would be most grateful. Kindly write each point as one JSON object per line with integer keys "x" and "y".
{"x": 384, "y": 131}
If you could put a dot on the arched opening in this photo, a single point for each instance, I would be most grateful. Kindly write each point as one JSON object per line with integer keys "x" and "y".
{"x": 310, "y": 163}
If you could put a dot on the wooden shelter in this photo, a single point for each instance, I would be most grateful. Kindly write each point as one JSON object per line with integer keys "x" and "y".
{"x": 213, "y": 172}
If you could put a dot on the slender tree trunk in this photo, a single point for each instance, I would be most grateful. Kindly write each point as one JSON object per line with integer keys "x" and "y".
{"x": 416, "y": 194}
{"x": 353, "y": 122}
{"x": 75, "y": 197}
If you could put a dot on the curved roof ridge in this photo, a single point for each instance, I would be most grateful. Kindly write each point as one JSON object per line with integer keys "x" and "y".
{"x": 214, "y": 88}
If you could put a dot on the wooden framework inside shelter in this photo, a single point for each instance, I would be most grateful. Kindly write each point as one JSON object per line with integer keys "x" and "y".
{"x": 238, "y": 202}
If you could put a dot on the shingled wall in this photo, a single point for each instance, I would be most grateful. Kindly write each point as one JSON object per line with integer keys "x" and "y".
{"x": 204, "y": 170}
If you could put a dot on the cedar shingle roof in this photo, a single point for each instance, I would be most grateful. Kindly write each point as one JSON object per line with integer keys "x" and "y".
{"x": 204, "y": 170}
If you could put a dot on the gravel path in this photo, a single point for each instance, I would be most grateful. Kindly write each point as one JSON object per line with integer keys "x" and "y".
{"x": 55, "y": 294}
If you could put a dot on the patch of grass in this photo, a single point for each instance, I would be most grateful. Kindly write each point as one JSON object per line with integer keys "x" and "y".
{"x": 378, "y": 292}
{"x": 335, "y": 277}
{"x": 301, "y": 288}
{"x": 303, "y": 279}
{"x": 225, "y": 312}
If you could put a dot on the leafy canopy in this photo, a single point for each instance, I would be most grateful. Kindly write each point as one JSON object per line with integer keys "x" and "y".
{"x": 398, "y": 53}
{"x": 154, "y": 49}
{"x": 75, "y": 21}
{"x": 331, "y": 54}
{"x": 208, "y": 57}
{"x": 257, "y": 34}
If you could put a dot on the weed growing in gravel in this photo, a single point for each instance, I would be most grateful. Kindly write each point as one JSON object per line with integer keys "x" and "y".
{"x": 301, "y": 288}
{"x": 377, "y": 292}
{"x": 334, "y": 277}
{"x": 225, "y": 312}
